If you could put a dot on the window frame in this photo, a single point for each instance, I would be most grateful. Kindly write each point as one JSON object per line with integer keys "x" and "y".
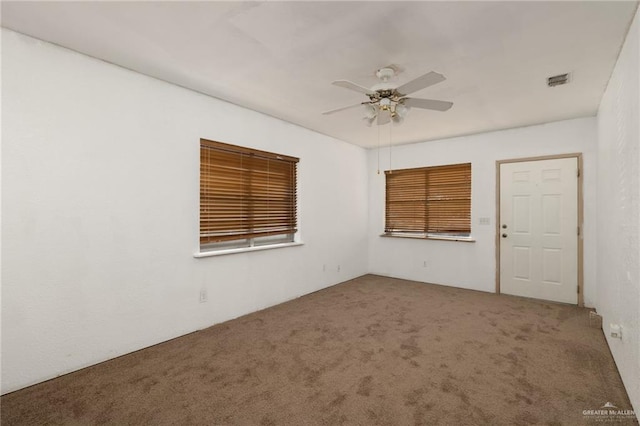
{"x": 412, "y": 188}
{"x": 264, "y": 179}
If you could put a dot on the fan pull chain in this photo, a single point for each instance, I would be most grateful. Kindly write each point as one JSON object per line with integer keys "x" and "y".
{"x": 378, "y": 148}
{"x": 390, "y": 136}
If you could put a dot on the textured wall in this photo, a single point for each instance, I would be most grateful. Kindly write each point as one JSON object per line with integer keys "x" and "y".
{"x": 472, "y": 265}
{"x": 100, "y": 212}
{"x": 618, "y": 213}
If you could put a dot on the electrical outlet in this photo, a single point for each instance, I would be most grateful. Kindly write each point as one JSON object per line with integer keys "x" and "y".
{"x": 203, "y": 295}
{"x": 616, "y": 331}
{"x": 424, "y": 264}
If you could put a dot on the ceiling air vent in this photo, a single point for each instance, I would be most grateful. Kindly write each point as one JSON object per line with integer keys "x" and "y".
{"x": 558, "y": 80}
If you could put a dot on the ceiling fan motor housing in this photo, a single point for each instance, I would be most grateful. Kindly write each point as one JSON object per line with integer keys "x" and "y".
{"x": 385, "y": 74}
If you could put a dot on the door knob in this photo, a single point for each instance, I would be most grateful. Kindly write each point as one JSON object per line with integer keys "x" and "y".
{"x": 504, "y": 235}
{"x": 504, "y": 226}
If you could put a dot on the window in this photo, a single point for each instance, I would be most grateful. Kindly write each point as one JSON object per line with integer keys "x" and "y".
{"x": 429, "y": 201}
{"x": 247, "y": 197}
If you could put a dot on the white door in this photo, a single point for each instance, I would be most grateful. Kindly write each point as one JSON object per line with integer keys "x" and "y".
{"x": 539, "y": 229}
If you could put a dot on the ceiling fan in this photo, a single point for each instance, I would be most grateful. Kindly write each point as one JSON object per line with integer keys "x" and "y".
{"x": 387, "y": 103}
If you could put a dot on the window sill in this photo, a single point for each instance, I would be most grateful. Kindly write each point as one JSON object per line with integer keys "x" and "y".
{"x": 431, "y": 237}
{"x": 245, "y": 249}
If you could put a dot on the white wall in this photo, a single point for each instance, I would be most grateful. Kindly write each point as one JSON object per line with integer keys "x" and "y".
{"x": 472, "y": 265}
{"x": 618, "y": 212}
{"x": 100, "y": 212}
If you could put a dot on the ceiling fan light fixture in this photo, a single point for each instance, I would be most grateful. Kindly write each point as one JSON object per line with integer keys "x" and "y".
{"x": 402, "y": 110}
{"x": 370, "y": 111}
{"x": 368, "y": 121}
{"x": 397, "y": 119}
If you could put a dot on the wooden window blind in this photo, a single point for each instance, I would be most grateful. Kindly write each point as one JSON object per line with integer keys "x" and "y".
{"x": 245, "y": 193}
{"x": 429, "y": 200}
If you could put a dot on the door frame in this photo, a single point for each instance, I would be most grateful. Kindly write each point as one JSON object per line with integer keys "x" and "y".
{"x": 580, "y": 231}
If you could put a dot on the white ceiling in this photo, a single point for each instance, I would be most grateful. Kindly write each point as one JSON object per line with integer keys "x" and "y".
{"x": 280, "y": 57}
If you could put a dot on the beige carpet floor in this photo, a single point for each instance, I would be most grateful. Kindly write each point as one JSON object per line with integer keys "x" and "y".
{"x": 370, "y": 351}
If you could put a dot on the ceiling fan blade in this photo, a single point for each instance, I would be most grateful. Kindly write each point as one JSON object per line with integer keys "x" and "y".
{"x": 343, "y": 108}
{"x": 353, "y": 86}
{"x": 429, "y": 79}
{"x": 383, "y": 117}
{"x": 427, "y": 104}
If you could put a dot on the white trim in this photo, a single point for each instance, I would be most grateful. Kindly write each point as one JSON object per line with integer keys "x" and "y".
{"x": 245, "y": 249}
{"x": 468, "y": 239}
